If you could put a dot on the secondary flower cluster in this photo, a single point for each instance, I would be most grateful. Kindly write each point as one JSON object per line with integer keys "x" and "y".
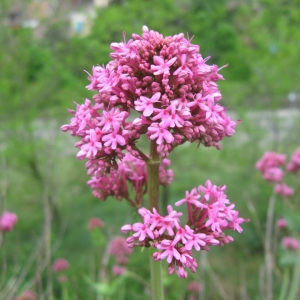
{"x": 156, "y": 86}
{"x": 209, "y": 214}
{"x": 270, "y": 166}
{"x": 131, "y": 174}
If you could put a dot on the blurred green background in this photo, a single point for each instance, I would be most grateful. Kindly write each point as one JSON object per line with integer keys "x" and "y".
{"x": 45, "y": 48}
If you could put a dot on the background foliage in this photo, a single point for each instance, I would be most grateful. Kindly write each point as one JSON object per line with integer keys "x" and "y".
{"x": 41, "y": 78}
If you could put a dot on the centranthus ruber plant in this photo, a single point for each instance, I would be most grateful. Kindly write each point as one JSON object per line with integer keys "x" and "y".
{"x": 161, "y": 88}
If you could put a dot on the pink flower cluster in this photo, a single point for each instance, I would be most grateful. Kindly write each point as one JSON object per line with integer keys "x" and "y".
{"x": 7, "y": 221}
{"x": 95, "y": 223}
{"x": 156, "y": 86}
{"x": 290, "y": 243}
{"x": 60, "y": 264}
{"x": 281, "y": 223}
{"x": 27, "y": 295}
{"x": 294, "y": 164}
{"x": 209, "y": 214}
{"x": 131, "y": 174}
{"x": 270, "y": 166}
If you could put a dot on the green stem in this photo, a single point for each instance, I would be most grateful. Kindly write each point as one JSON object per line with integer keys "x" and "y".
{"x": 153, "y": 194}
{"x": 294, "y": 288}
{"x": 153, "y": 177}
{"x": 285, "y": 284}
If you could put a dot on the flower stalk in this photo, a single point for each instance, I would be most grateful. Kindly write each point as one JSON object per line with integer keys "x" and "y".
{"x": 153, "y": 196}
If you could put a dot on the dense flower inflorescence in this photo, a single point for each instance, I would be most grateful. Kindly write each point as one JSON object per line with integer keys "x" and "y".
{"x": 7, "y": 221}
{"x": 209, "y": 214}
{"x": 156, "y": 86}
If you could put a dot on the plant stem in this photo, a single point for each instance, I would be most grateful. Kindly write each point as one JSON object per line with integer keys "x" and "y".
{"x": 153, "y": 177}
{"x": 294, "y": 288}
{"x": 157, "y": 292}
{"x": 268, "y": 250}
{"x": 153, "y": 194}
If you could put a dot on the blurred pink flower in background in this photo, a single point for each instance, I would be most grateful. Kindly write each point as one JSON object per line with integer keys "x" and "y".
{"x": 294, "y": 164}
{"x": 7, "y": 221}
{"x": 270, "y": 160}
{"x": 194, "y": 286}
{"x": 283, "y": 190}
{"x": 118, "y": 270}
{"x": 60, "y": 264}
{"x": 27, "y": 295}
{"x": 281, "y": 223}
{"x": 273, "y": 174}
{"x": 95, "y": 223}
{"x": 290, "y": 243}
{"x": 119, "y": 247}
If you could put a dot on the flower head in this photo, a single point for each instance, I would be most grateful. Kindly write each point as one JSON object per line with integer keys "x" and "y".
{"x": 119, "y": 247}
{"x": 283, "y": 190}
{"x": 7, "y": 221}
{"x": 156, "y": 86}
{"x": 95, "y": 223}
{"x": 281, "y": 223}
{"x": 294, "y": 164}
{"x": 209, "y": 214}
{"x": 290, "y": 243}
{"x": 60, "y": 264}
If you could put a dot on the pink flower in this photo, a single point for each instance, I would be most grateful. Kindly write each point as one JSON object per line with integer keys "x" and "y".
{"x": 281, "y": 223}
{"x": 7, "y": 221}
{"x": 27, "y": 295}
{"x": 169, "y": 251}
{"x": 283, "y": 190}
{"x": 118, "y": 270}
{"x": 273, "y": 174}
{"x": 168, "y": 82}
{"x": 161, "y": 66}
{"x": 191, "y": 198}
{"x": 270, "y": 160}
{"x": 290, "y": 243}
{"x": 60, "y": 264}
{"x": 95, "y": 223}
{"x": 194, "y": 286}
{"x": 294, "y": 164}
{"x": 160, "y": 134}
{"x": 205, "y": 227}
{"x": 145, "y": 104}
{"x": 119, "y": 247}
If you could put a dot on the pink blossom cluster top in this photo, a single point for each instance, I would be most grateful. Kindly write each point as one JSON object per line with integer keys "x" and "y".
{"x": 209, "y": 214}
{"x": 156, "y": 86}
{"x": 7, "y": 221}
